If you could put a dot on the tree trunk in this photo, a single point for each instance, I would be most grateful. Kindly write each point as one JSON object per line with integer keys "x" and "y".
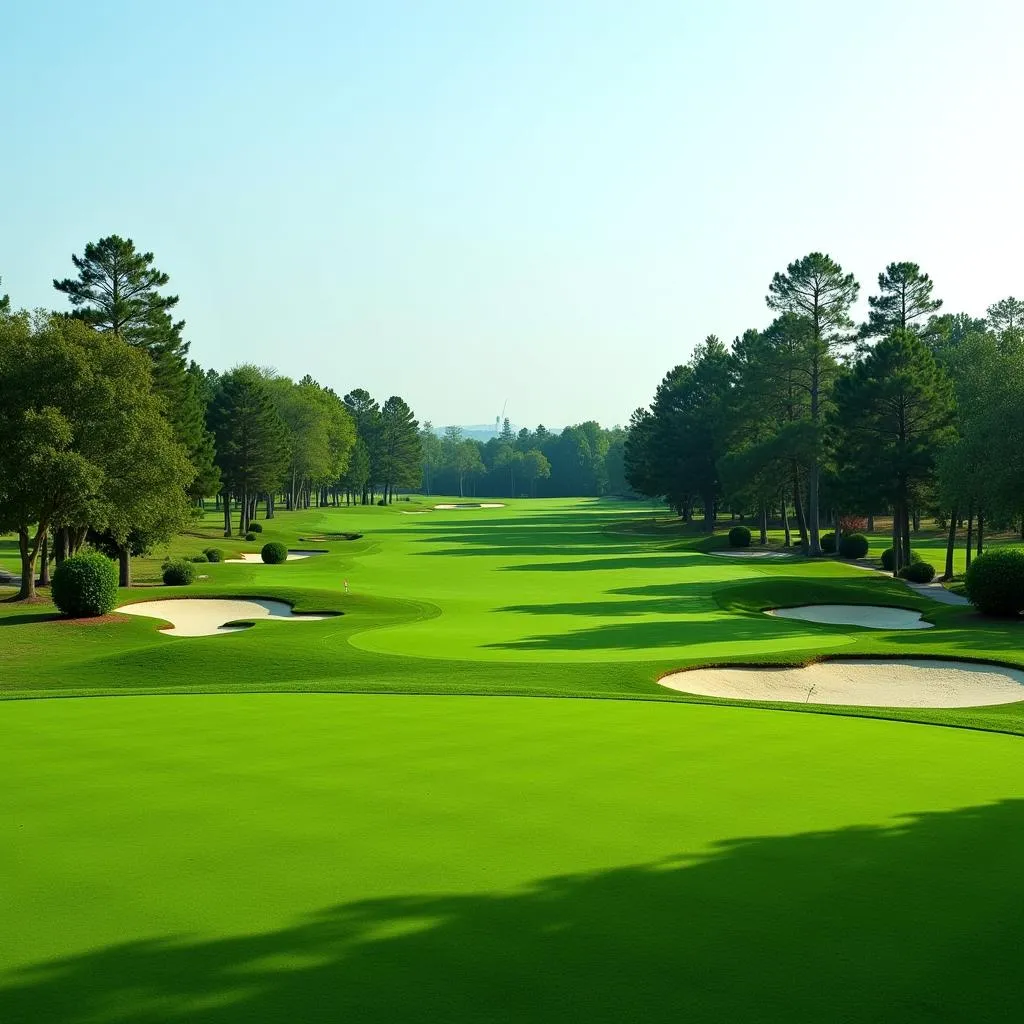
{"x": 124, "y": 557}
{"x": 60, "y": 546}
{"x": 785, "y": 521}
{"x": 44, "y": 567}
{"x": 897, "y": 540}
{"x": 764, "y": 522}
{"x": 709, "y": 514}
{"x": 917, "y": 520}
{"x": 981, "y": 531}
{"x": 227, "y": 513}
{"x": 950, "y": 545}
{"x": 871, "y": 523}
{"x": 970, "y": 534}
{"x": 798, "y": 508}
{"x": 28, "y": 551}
{"x": 905, "y": 523}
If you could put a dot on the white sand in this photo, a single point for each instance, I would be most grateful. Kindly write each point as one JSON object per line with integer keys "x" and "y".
{"x": 255, "y": 558}
{"x": 473, "y": 504}
{"x": 870, "y": 616}
{"x": 192, "y": 616}
{"x": 881, "y": 684}
{"x": 750, "y": 553}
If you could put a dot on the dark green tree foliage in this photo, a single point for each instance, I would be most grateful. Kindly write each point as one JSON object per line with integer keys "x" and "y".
{"x": 400, "y": 448}
{"x": 1006, "y": 321}
{"x": 894, "y": 413}
{"x": 83, "y": 442}
{"x": 5, "y": 304}
{"x": 252, "y": 439}
{"x": 365, "y": 413}
{"x": 816, "y": 290}
{"x": 117, "y": 291}
{"x": 85, "y": 585}
{"x": 684, "y": 436}
{"x": 903, "y": 302}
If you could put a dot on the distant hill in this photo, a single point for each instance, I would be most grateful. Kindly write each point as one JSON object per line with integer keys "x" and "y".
{"x": 485, "y": 431}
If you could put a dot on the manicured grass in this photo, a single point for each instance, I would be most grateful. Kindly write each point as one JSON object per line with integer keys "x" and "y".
{"x": 568, "y": 598}
{"x": 304, "y": 857}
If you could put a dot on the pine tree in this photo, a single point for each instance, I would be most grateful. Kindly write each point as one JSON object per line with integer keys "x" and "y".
{"x": 903, "y": 303}
{"x": 252, "y": 440}
{"x": 816, "y": 290}
{"x": 400, "y": 448}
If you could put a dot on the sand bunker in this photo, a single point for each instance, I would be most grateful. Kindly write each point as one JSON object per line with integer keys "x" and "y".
{"x": 748, "y": 553}
{"x": 208, "y": 616}
{"x": 878, "y": 684}
{"x": 255, "y": 558}
{"x": 482, "y": 504}
{"x": 869, "y": 616}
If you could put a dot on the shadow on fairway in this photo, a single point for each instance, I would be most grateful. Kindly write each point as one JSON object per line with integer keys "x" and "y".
{"x": 918, "y": 921}
{"x": 670, "y": 633}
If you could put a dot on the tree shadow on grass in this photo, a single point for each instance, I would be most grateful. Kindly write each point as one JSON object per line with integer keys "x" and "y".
{"x": 917, "y": 921}
{"x": 675, "y": 634}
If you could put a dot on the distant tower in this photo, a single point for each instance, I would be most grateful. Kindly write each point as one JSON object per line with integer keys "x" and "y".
{"x": 497, "y": 424}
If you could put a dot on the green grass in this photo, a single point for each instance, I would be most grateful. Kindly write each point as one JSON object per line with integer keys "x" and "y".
{"x": 201, "y": 845}
{"x": 340, "y": 857}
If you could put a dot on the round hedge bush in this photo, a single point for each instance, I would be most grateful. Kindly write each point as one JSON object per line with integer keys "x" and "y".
{"x": 853, "y": 545}
{"x": 739, "y": 537}
{"x": 178, "y": 574}
{"x": 918, "y": 572}
{"x": 85, "y": 585}
{"x": 828, "y": 543}
{"x": 214, "y": 555}
{"x": 994, "y": 584}
{"x": 274, "y": 553}
{"x": 255, "y": 528}
{"x": 250, "y": 536}
{"x": 889, "y": 559}
{"x": 199, "y": 558}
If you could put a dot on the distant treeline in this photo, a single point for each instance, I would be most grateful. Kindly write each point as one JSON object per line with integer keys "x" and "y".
{"x": 580, "y": 461}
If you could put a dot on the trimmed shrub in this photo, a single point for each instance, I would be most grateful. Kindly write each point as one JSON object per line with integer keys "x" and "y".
{"x": 853, "y": 545}
{"x": 85, "y": 585}
{"x": 274, "y": 553}
{"x": 178, "y": 574}
{"x": 889, "y": 559}
{"x": 739, "y": 537}
{"x": 918, "y": 572}
{"x": 255, "y": 527}
{"x": 250, "y": 536}
{"x": 828, "y": 543}
{"x": 994, "y": 584}
{"x": 214, "y": 555}
{"x": 381, "y": 501}
{"x": 199, "y": 558}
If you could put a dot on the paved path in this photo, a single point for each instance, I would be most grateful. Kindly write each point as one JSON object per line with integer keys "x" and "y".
{"x": 935, "y": 590}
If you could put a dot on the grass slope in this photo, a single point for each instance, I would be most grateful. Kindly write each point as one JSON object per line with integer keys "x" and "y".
{"x": 265, "y": 858}
{"x": 559, "y": 598}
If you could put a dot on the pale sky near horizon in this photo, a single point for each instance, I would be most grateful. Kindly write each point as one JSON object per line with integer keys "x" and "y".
{"x": 548, "y": 202}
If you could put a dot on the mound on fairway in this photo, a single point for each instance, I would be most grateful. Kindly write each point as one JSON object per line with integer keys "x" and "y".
{"x": 208, "y": 616}
{"x": 873, "y": 684}
{"x": 866, "y": 615}
{"x": 482, "y": 504}
{"x": 256, "y": 558}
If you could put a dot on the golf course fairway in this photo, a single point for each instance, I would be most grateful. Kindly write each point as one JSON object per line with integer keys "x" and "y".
{"x": 340, "y": 857}
{"x": 456, "y": 791}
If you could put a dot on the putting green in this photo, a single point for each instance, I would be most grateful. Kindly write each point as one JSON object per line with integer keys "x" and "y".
{"x": 378, "y": 858}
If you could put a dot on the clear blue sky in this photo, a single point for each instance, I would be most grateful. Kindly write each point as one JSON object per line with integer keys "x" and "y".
{"x": 544, "y": 201}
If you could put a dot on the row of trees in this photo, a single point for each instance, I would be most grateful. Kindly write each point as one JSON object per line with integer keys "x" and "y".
{"x": 911, "y": 411}
{"x": 581, "y": 460}
{"x": 111, "y": 435}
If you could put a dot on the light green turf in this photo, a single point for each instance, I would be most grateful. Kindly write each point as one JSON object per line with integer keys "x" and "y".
{"x": 578, "y": 597}
{"x": 302, "y": 857}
